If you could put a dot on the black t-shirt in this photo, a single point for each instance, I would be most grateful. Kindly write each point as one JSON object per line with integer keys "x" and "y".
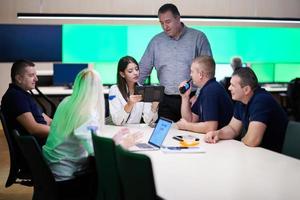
{"x": 262, "y": 107}
{"x": 17, "y": 101}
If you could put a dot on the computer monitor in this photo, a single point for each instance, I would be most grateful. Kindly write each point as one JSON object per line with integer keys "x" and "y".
{"x": 264, "y": 72}
{"x": 64, "y": 74}
{"x": 285, "y": 72}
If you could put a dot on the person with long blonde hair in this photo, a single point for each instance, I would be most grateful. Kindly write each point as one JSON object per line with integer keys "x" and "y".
{"x": 69, "y": 143}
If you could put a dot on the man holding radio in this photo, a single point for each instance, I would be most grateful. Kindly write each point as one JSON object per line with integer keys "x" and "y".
{"x": 213, "y": 108}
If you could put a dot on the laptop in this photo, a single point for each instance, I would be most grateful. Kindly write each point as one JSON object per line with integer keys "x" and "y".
{"x": 157, "y": 137}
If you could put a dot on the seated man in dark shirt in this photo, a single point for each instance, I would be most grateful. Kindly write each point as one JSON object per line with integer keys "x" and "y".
{"x": 213, "y": 108}
{"x": 18, "y": 106}
{"x": 256, "y": 110}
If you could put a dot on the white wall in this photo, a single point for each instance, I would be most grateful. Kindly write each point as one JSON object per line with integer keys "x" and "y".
{"x": 251, "y": 8}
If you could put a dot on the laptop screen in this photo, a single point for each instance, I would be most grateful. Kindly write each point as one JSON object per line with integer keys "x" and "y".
{"x": 160, "y": 131}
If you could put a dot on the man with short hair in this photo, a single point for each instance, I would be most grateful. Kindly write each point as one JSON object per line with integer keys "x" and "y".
{"x": 171, "y": 52}
{"x": 213, "y": 108}
{"x": 18, "y": 106}
{"x": 256, "y": 111}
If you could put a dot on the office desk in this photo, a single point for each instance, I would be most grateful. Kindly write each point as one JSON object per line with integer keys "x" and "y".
{"x": 59, "y": 90}
{"x": 275, "y": 88}
{"x": 228, "y": 170}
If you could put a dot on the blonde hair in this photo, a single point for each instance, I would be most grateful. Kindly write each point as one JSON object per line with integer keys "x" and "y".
{"x": 207, "y": 64}
{"x": 73, "y": 111}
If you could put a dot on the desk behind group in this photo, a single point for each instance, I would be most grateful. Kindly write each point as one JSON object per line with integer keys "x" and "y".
{"x": 227, "y": 170}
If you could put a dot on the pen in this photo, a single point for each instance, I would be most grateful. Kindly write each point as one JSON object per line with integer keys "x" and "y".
{"x": 179, "y": 148}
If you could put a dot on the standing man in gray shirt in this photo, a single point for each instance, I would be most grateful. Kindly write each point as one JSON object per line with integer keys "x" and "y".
{"x": 171, "y": 52}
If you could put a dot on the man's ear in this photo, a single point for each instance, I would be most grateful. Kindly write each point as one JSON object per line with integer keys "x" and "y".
{"x": 18, "y": 78}
{"x": 247, "y": 89}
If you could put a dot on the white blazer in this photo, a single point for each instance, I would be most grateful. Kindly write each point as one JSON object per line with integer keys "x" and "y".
{"x": 120, "y": 116}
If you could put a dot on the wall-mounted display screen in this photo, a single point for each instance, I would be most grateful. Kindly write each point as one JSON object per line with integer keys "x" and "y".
{"x": 286, "y": 72}
{"x": 264, "y": 72}
{"x": 104, "y": 45}
{"x": 38, "y": 43}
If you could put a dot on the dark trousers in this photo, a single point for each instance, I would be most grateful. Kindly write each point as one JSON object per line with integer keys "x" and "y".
{"x": 170, "y": 107}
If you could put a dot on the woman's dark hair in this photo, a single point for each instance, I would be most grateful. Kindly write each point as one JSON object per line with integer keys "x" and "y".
{"x": 247, "y": 77}
{"x": 121, "y": 81}
{"x": 18, "y": 68}
{"x": 169, "y": 7}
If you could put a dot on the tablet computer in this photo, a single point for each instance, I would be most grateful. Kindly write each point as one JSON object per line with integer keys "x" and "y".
{"x": 150, "y": 93}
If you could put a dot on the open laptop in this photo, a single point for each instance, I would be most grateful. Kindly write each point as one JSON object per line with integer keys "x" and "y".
{"x": 157, "y": 137}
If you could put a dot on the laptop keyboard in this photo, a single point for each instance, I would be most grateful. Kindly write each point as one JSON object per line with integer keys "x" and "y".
{"x": 144, "y": 146}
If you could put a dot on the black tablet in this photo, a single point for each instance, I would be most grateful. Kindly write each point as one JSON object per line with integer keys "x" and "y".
{"x": 151, "y": 93}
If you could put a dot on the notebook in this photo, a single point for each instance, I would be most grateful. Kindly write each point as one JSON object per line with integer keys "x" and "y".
{"x": 157, "y": 137}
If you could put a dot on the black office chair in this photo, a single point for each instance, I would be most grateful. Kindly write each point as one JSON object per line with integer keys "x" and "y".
{"x": 52, "y": 105}
{"x": 109, "y": 183}
{"x": 19, "y": 171}
{"x": 45, "y": 186}
{"x": 43, "y": 180}
{"x": 293, "y": 98}
{"x": 136, "y": 175}
{"x": 291, "y": 143}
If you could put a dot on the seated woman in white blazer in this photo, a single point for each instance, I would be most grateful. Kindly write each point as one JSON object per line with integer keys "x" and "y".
{"x": 124, "y": 105}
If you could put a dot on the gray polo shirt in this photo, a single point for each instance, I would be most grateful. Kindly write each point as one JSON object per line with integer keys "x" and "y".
{"x": 173, "y": 58}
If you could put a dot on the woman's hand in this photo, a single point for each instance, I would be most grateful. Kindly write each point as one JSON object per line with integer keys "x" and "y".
{"x": 127, "y": 139}
{"x": 133, "y": 99}
{"x": 154, "y": 106}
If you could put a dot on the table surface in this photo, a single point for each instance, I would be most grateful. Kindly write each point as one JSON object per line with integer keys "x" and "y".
{"x": 227, "y": 170}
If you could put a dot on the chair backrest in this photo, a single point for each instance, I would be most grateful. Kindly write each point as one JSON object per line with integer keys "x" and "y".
{"x": 46, "y": 99}
{"x": 18, "y": 166}
{"x": 293, "y": 97}
{"x": 43, "y": 181}
{"x": 109, "y": 185}
{"x": 291, "y": 143}
{"x": 136, "y": 175}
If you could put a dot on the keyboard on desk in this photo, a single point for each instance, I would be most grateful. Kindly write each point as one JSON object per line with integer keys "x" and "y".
{"x": 144, "y": 145}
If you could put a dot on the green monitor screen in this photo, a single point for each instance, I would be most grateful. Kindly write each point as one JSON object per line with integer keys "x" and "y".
{"x": 108, "y": 43}
{"x": 286, "y": 72}
{"x": 264, "y": 72}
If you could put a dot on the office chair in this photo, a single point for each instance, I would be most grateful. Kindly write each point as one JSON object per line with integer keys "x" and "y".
{"x": 46, "y": 99}
{"x": 19, "y": 171}
{"x": 44, "y": 185}
{"x": 109, "y": 183}
{"x": 136, "y": 175}
{"x": 292, "y": 140}
{"x": 43, "y": 180}
{"x": 293, "y": 98}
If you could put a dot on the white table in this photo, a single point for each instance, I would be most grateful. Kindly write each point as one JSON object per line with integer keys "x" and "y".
{"x": 228, "y": 170}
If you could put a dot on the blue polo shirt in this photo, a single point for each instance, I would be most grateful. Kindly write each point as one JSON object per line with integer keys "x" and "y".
{"x": 17, "y": 101}
{"x": 262, "y": 107}
{"x": 213, "y": 104}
